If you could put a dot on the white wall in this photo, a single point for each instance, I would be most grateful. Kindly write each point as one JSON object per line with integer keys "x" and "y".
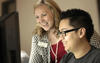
{"x": 27, "y": 21}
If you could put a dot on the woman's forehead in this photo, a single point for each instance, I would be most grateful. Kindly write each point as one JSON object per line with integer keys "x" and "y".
{"x": 42, "y": 6}
{"x": 43, "y": 9}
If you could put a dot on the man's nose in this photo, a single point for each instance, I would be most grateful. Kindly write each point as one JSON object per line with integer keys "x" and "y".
{"x": 62, "y": 37}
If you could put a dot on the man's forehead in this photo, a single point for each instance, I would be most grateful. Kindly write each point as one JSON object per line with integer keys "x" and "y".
{"x": 64, "y": 24}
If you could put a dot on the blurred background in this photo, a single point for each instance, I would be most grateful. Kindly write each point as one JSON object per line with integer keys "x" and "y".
{"x": 27, "y": 21}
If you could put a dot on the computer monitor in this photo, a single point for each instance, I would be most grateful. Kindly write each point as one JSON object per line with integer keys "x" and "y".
{"x": 9, "y": 38}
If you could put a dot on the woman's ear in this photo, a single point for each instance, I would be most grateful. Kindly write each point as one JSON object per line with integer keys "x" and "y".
{"x": 82, "y": 32}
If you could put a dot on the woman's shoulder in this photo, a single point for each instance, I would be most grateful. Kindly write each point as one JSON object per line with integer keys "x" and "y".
{"x": 95, "y": 40}
{"x": 40, "y": 41}
{"x": 36, "y": 37}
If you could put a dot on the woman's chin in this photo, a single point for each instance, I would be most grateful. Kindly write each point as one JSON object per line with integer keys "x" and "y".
{"x": 46, "y": 29}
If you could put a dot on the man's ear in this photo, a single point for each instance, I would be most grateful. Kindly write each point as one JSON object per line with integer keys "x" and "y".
{"x": 82, "y": 32}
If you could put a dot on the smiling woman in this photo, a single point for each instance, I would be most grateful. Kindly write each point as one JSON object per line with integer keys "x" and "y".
{"x": 46, "y": 47}
{"x": 44, "y": 17}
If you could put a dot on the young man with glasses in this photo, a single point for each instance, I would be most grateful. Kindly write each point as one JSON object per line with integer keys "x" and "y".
{"x": 76, "y": 29}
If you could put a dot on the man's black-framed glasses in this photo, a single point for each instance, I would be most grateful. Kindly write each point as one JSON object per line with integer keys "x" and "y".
{"x": 64, "y": 32}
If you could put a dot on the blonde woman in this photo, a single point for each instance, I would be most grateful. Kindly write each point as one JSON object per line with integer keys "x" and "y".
{"x": 46, "y": 47}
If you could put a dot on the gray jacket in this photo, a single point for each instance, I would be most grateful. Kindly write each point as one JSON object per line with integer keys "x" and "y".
{"x": 40, "y": 51}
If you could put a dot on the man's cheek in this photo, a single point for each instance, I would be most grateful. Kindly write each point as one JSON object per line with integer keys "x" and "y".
{"x": 67, "y": 37}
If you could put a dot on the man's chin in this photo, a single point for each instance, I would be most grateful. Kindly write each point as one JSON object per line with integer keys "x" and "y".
{"x": 67, "y": 49}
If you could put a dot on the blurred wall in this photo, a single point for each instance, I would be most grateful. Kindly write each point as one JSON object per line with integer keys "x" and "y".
{"x": 27, "y": 23}
{"x": 27, "y": 20}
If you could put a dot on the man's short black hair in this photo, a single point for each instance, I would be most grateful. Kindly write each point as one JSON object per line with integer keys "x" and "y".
{"x": 79, "y": 18}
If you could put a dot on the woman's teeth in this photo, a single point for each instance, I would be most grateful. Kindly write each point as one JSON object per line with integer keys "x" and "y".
{"x": 45, "y": 24}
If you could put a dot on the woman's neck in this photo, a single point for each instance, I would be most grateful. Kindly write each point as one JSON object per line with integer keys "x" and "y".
{"x": 51, "y": 31}
{"x": 52, "y": 36}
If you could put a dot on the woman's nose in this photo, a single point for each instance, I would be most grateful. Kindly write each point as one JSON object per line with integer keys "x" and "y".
{"x": 41, "y": 19}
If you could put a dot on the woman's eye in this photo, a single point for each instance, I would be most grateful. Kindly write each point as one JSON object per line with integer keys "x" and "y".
{"x": 44, "y": 14}
{"x": 36, "y": 17}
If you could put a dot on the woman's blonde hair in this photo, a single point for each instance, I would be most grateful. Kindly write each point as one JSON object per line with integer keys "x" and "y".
{"x": 54, "y": 9}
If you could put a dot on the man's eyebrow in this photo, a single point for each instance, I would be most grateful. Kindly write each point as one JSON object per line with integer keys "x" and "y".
{"x": 63, "y": 29}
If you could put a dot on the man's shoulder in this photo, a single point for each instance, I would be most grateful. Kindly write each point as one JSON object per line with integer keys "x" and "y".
{"x": 96, "y": 51}
{"x": 69, "y": 55}
{"x": 96, "y": 56}
{"x": 66, "y": 57}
